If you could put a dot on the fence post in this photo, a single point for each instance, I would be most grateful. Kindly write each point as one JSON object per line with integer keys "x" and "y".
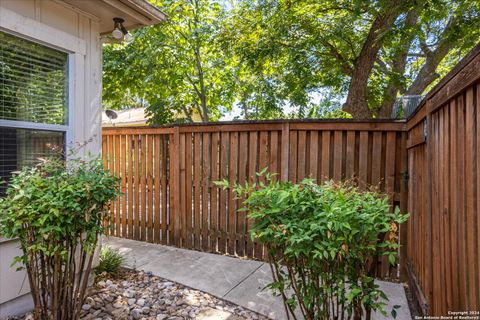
{"x": 403, "y": 208}
{"x": 285, "y": 151}
{"x": 175, "y": 187}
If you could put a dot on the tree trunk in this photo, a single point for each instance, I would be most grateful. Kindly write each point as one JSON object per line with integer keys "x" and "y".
{"x": 396, "y": 82}
{"x": 357, "y": 104}
{"x": 428, "y": 73}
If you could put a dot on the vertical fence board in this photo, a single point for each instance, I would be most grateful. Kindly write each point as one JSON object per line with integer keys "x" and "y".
{"x": 454, "y": 203}
{"x": 121, "y": 172}
{"x": 157, "y": 201}
{"x": 252, "y": 169}
{"x": 376, "y": 158}
{"x": 363, "y": 159}
{"x": 129, "y": 181}
{"x": 136, "y": 187}
{"x": 470, "y": 197}
{"x": 337, "y": 155}
{"x": 313, "y": 155}
{"x": 350, "y": 155}
{"x": 214, "y": 192}
{"x": 143, "y": 187}
{"x": 165, "y": 191}
{"x": 205, "y": 190}
{"x": 293, "y": 156}
{"x": 232, "y": 208}
{"x": 197, "y": 155}
{"x": 109, "y": 157}
{"x": 461, "y": 204}
{"x": 445, "y": 209}
{"x": 273, "y": 157}
{"x": 285, "y": 145}
{"x": 183, "y": 182}
{"x": 301, "y": 154}
{"x": 149, "y": 164}
{"x": 477, "y": 173}
{"x": 188, "y": 192}
{"x": 222, "y": 212}
{"x": 242, "y": 178}
{"x": 325, "y": 156}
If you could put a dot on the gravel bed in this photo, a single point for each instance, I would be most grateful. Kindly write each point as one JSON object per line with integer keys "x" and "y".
{"x": 132, "y": 295}
{"x": 141, "y": 295}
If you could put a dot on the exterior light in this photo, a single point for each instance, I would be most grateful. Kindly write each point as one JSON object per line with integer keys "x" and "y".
{"x": 128, "y": 38}
{"x": 119, "y": 32}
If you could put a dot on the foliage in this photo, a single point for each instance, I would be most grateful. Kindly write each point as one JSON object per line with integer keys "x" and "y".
{"x": 56, "y": 210}
{"x": 367, "y": 51}
{"x": 176, "y": 70}
{"x": 110, "y": 260}
{"x": 323, "y": 243}
{"x": 269, "y": 56}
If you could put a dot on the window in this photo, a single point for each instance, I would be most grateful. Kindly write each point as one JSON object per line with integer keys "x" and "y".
{"x": 33, "y": 103}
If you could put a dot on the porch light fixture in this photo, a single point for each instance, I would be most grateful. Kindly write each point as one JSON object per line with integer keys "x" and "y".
{"x": 119, "y": 32}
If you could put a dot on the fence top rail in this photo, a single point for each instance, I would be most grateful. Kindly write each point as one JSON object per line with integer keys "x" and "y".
{"x": 269, "y": 125}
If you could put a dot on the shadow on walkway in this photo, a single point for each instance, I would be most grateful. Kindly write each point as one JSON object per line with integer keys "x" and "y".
{"x": 239, "y": 281}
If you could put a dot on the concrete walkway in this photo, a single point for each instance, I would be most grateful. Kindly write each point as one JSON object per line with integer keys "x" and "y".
{"x": 239, "y": 281}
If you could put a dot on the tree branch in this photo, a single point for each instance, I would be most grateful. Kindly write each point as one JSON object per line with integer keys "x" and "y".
{"x": 399, "y": 63}
{"x": 356, "y": 103}
{"x": 427, "y": 73}
{"x": 346, "y": 67}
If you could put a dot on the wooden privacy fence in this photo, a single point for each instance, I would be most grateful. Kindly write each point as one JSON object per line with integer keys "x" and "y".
{"x": 443, "y": 163}
{"x": 167, "y": 174}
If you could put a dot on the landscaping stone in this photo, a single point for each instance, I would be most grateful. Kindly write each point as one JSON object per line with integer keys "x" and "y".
{"x": 136, "y": 295}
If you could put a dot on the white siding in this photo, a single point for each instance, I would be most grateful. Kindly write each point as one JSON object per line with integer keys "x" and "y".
{"x": 51, "y": 23}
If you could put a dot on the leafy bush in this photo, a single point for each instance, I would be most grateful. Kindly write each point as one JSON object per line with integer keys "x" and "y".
{"x": 110, "y": 260}
{"x": 57, "y": 210}
{"x": 323, "y": 243}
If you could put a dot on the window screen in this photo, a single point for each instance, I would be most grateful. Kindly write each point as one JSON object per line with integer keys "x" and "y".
{"x": 33, "y": 81}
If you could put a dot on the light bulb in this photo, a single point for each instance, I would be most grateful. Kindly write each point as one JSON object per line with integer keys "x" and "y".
{"x": 128, "y": 38}
{"x": 117, "y": 34}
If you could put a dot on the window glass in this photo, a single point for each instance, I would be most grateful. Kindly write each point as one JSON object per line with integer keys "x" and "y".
{"x": 21, "y": 147}
{"x": 33, "y": 81}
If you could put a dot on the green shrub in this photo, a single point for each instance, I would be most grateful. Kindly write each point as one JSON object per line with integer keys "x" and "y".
{"x": 323, "y": 243}
{"x": 57, "y": 211}
{"x": 110, "y": 260}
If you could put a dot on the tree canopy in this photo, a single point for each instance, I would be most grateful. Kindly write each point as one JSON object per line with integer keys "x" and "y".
{"x": 269, "y": 56}
{"x": 176, "y": 69}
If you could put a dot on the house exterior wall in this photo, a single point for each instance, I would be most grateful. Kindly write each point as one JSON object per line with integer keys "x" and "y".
{"x": 53, "y": 24}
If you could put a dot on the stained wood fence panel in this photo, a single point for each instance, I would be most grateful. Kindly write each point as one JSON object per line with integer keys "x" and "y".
{"x": 168, "y": 174}
{"x": 141, "y": 161}
{"x": 443, "y": 242}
